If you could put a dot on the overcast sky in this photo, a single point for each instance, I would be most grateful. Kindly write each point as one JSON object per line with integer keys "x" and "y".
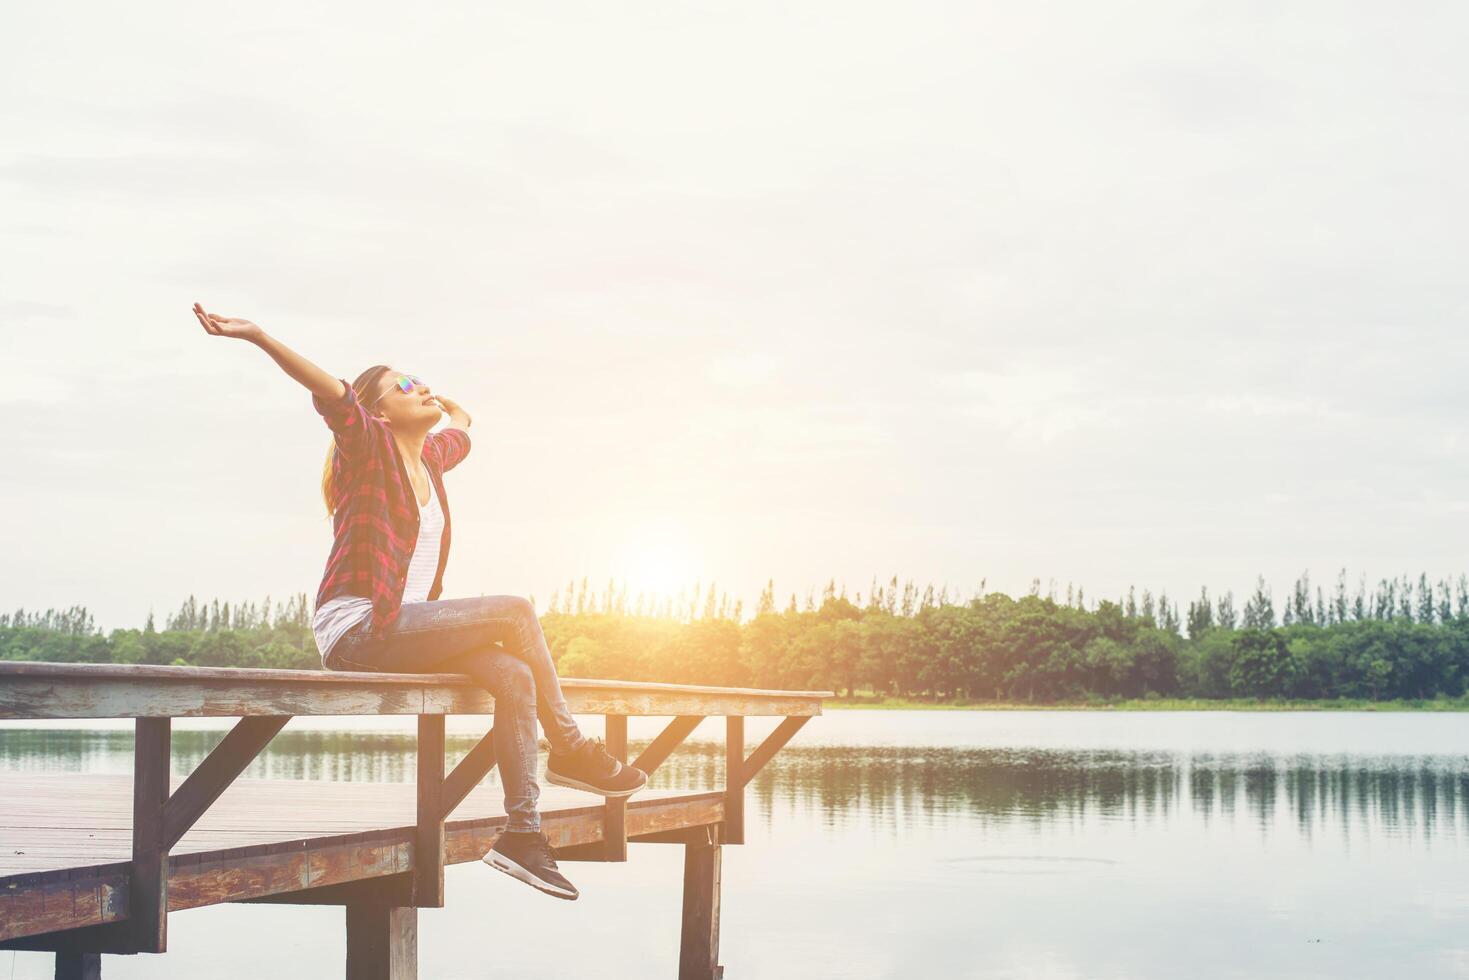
{"x": 1166, "y": 294}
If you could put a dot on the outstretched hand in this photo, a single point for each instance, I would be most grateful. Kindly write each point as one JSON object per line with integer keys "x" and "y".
{"x": 227, "y": 326}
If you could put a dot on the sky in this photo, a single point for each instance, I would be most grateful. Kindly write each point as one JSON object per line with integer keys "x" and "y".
{"x": 1155, "y": 294}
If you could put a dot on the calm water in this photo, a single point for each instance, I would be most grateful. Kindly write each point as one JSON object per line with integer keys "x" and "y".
{"x": 928, "y": 843}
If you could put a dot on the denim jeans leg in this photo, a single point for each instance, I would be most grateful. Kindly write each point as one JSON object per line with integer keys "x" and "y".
{"x": 513, "y": 686}
{"x": 561, "y": 728}
{"x": 460, "y": 636}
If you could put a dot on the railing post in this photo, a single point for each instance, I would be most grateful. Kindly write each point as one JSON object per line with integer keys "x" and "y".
{"x": 698, "y": 948}
{"x": 614, "y": 823}
{"x": 72, "y": 964}
{"x": 148, "y": 875}
{"x": 734, "y": 779}
{"x": 428, "y": 838}
{"x": 382, "y": 941}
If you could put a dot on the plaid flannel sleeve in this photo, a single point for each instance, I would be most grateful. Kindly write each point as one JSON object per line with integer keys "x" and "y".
{"x": 452, "y": 445}
{"x": 349, "y": 421}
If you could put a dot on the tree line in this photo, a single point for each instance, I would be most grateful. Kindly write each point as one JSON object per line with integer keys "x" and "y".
{"x": 1401, "y": 638}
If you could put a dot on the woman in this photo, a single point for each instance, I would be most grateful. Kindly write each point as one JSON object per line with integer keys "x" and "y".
{"x": 378, "y": 608}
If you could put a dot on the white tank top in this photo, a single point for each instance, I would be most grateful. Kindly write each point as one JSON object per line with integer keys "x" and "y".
{"x": 340, "y": 613}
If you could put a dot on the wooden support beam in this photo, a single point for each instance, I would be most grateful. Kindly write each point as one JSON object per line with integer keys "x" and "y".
{"x": 734, "y": 787}
{"x": 698, "y": 949}
{"x": 213, "y": 776}
{"x": 706, "y": 834}
{"x": 148, "y": 873}
{"x": 110, "y": 937}
{"x": 389, "y": 890}
{"x": 468, "y": 773}
{"x": 428, "y": 838}
{"x": 669, "y": 739}
{"x": 614, "y": 822}
{"x": 74, "y": 965}
{"x": 382, "y": 942}
{"x": 772, "y": 744}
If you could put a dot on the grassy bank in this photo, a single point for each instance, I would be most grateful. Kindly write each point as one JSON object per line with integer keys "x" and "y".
{"x": 1156, "y": 704}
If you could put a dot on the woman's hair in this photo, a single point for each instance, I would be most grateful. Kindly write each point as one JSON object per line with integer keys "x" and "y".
{"x": 365, "y": 385}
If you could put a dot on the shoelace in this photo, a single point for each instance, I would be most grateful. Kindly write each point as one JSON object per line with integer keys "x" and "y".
{"x": 599, "y": 754}
{"x": 547, "y": 851}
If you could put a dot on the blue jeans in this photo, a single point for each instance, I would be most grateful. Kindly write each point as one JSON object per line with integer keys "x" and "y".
{"x": 460, "y": 636}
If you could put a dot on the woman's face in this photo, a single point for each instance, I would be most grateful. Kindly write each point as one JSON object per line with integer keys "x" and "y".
{"x": 405, "y": 409}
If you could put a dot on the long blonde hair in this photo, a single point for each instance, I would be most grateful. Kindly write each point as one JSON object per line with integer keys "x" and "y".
{"x": 365, "y": 384}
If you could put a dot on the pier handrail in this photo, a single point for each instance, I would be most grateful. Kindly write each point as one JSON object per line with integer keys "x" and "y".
{"x": 41, "y": 690}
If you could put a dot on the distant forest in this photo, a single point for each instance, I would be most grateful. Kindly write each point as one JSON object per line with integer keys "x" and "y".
{"x": 1401, "y": 639}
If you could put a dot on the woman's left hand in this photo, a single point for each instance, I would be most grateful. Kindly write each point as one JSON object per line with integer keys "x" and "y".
{"x": 450, "y": 406}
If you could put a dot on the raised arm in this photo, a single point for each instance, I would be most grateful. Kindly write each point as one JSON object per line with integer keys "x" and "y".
{"x": 314, "y": 379}
{"x": 333, "y": 399}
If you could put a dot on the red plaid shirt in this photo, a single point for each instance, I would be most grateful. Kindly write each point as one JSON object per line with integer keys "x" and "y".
{"x": 375, "y": 525}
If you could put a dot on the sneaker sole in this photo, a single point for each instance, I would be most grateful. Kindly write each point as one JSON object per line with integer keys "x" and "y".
{"x": 500, "y": 862}
{"x": 552, "y": 777}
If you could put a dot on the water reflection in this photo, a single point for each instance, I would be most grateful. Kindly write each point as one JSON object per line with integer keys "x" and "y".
{"x": 884, "y": 786}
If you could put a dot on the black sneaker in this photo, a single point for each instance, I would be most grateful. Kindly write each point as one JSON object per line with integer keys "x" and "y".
{"x": 529, "y": 857}
{"x": 593, "y": 769}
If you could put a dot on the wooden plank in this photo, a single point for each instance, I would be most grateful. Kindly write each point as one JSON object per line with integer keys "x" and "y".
{"x": 669, "y": 739}
{"x": 428, "y": 839}
{"x": 148, "y": 878}
{"x": 698, "y": 948}
{"x": 704, "y": 834}
{"x": 138, "y": 673}
{"x": 614, "y": 832}
{"x": 382, "y": 942}
{"x": 275, "y": 870}
{"x": 213, "y": 776}
{"x": 50, "y": 690}
{"x": 391, "y": 890}
{"x": 36, "y": 903}
{"x": 734, "y": 785}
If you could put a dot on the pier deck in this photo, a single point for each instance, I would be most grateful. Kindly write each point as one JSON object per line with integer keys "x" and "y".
{"x": 92, "y": 864}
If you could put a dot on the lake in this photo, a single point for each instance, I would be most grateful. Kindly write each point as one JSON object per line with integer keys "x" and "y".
{"x": 928, "y": 843}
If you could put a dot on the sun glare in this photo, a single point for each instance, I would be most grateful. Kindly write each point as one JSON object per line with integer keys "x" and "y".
{"x": 655, "y": 560}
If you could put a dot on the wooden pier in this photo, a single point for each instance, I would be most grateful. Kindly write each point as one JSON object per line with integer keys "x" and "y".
{"x": 93, "y": 864}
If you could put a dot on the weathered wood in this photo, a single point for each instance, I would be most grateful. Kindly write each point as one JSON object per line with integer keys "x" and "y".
{"x": 475, "y": 765}
{"x": 276, "y": 869}
{"x": 734, "y": 785}
{"x": 266, "y": 838}
{"x": 75, "y": 965}
{"x": 213, "y": 776}
{"x": 700, "y": 814}
{"x": 49, "y": 902}
{"x": 392, "y": 890}
{"x": 772, "y": 744}
{"x": 669, "y": 739}
{"x": 52, "y": 690}
{"x": 702, "y": 834}
{"x": 111, "y": 937}
{"x": 148, "y": 876}
{"x": 698, "y": 948}
{"x": 382, "y": 942}
{"x": 615, "y": 822}
{"x": 428, "y": 840}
